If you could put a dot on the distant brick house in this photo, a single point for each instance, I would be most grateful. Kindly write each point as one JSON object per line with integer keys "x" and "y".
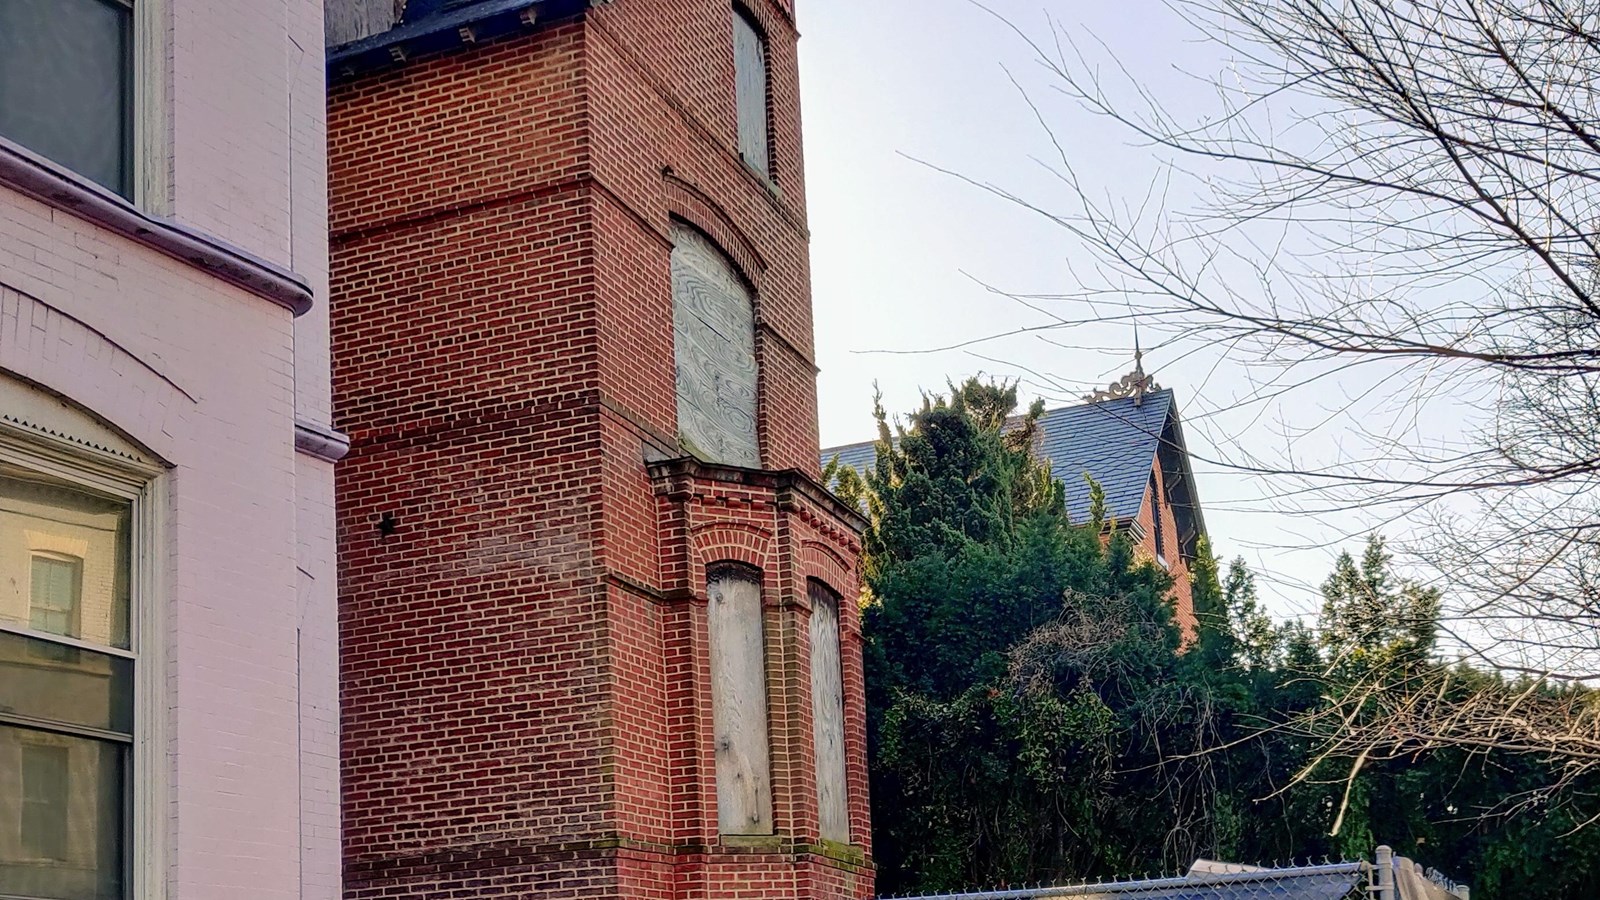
{"x": 1130, "y": 441}
{"x": 595, "y": 617}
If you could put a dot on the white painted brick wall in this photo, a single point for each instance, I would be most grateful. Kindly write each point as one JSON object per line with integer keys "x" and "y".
{"x": 212, "y": 379}
{"x": 230, "y": 121}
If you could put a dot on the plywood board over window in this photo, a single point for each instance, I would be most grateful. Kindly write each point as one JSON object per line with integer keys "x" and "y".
{"x": 714, "y": 343}
{"x": 739, "y": 702}
{"x": 750, "y": 75}
{"x": 827, "y": 715}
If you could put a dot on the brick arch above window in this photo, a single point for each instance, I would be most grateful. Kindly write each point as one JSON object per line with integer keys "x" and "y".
{"x": 687, "y": 203}
{"x": 733, "y": 544}
{"x": 119, "y": 403}
{"x": 827, "y": 566}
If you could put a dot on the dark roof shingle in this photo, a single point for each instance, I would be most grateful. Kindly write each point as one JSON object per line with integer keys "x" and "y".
{"x": 1115, "y": 441}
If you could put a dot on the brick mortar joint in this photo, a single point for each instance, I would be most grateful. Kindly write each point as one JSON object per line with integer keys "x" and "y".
{"x": 779, "y": 204}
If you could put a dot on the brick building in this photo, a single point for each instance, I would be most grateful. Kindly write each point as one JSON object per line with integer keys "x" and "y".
{"x": 1129, "y": 439}
{"x": 596, "y": 612}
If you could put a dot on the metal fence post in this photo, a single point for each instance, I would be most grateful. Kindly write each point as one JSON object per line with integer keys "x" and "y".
{"x": 1384, "y": 889}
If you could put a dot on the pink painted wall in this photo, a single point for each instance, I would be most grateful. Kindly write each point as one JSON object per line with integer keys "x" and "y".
{"x": 213, "y": 379}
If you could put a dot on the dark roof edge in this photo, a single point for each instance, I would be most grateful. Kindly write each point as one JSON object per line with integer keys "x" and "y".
{"x": 481, "y": 21}
{"x": 1172, "y": 405}
{"x": 834, "y": 451}
{"x": 1176, "y": 422}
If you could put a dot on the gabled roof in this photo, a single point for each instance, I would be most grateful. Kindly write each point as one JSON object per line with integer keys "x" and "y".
{"x": 1117, "y": 442}
{"x": 1333, "y": 881}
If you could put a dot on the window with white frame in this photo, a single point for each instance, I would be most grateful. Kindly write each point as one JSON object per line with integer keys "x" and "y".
{"x": 53, "y": 587}
{"x": 750, "y": 80}
{"x": 68, "y": 660}
{"x": 66, "y": 84}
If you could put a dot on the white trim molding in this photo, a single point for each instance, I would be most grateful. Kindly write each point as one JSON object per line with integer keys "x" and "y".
{"x": 152, "y": 104}
{"x": 149, "y": 822}
{"x": 59, "y": 188}
{"x": 320, "y": 441}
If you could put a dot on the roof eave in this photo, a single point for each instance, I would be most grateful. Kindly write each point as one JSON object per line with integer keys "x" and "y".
{"x": 461, "y": 27}
{"x": 1188, "y": 476}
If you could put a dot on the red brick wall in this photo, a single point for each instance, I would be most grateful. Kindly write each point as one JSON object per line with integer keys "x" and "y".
{"x": 526, "y": 693}
{"x": 1177, "y": 566}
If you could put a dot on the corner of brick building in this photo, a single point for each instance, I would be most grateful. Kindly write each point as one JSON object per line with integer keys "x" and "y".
{"x": 1177, "y": 564}
{"x": 526, "y": 701}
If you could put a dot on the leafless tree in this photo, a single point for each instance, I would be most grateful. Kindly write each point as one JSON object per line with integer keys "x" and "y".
{"x": 1401, "y": 194}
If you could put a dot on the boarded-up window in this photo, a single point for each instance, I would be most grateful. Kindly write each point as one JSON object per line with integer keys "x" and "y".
{"x": 714, "y": 342}
{"x": 739, "y": 703}
{"x": 750, "y": 75}
{"x": 827, "y": 715}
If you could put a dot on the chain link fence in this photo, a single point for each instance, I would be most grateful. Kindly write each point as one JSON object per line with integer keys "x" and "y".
{"x": 1387, "y": 877}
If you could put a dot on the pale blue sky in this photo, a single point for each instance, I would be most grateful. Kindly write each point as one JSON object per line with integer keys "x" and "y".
{"x": 898, "y": 250}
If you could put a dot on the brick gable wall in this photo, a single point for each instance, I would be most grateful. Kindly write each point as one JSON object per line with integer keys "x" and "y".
{"x": 526, "y": 706}
{"x": 1177, "y": 566}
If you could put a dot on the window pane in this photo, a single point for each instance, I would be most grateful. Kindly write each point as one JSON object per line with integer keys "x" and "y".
{"x": 63, "y": 557}
{"x": 64, "y": 83}
{"x": 61, "y": 808}
{"x": 53, "y": 595}
{"x": 739, "y": 704}
{"x": 47, "y": 681}
{"x": 44, "y": 801}
{"x": 713, "y": 325}
{"x": 750, "y": 75}
{"x": 827, "y": 715}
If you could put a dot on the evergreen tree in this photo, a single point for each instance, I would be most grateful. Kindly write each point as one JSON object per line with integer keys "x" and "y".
{"x": 1372, "y": 618}
{"x": 1018, "y": 665}
{"x": 1259, "y": 640}
{"x": 1034, "y": 714}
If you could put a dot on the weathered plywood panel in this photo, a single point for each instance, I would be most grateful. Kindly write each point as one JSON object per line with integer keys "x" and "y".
{"x": 827, "y": 715}
{"x": 750, "y": 73}
{"x": 739, "y": 704}
{"x": 714, "y": 344}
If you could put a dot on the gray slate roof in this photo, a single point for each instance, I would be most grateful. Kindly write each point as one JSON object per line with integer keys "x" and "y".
{"x": 1113, "y": 440}
{"x": 1333, "y": 881}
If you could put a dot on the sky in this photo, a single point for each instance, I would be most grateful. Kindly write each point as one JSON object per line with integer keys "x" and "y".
{"x": 904, "y": 255}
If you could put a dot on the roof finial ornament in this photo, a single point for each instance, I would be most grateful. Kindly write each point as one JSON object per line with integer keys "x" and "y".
{"x": 1135, "y": 384}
